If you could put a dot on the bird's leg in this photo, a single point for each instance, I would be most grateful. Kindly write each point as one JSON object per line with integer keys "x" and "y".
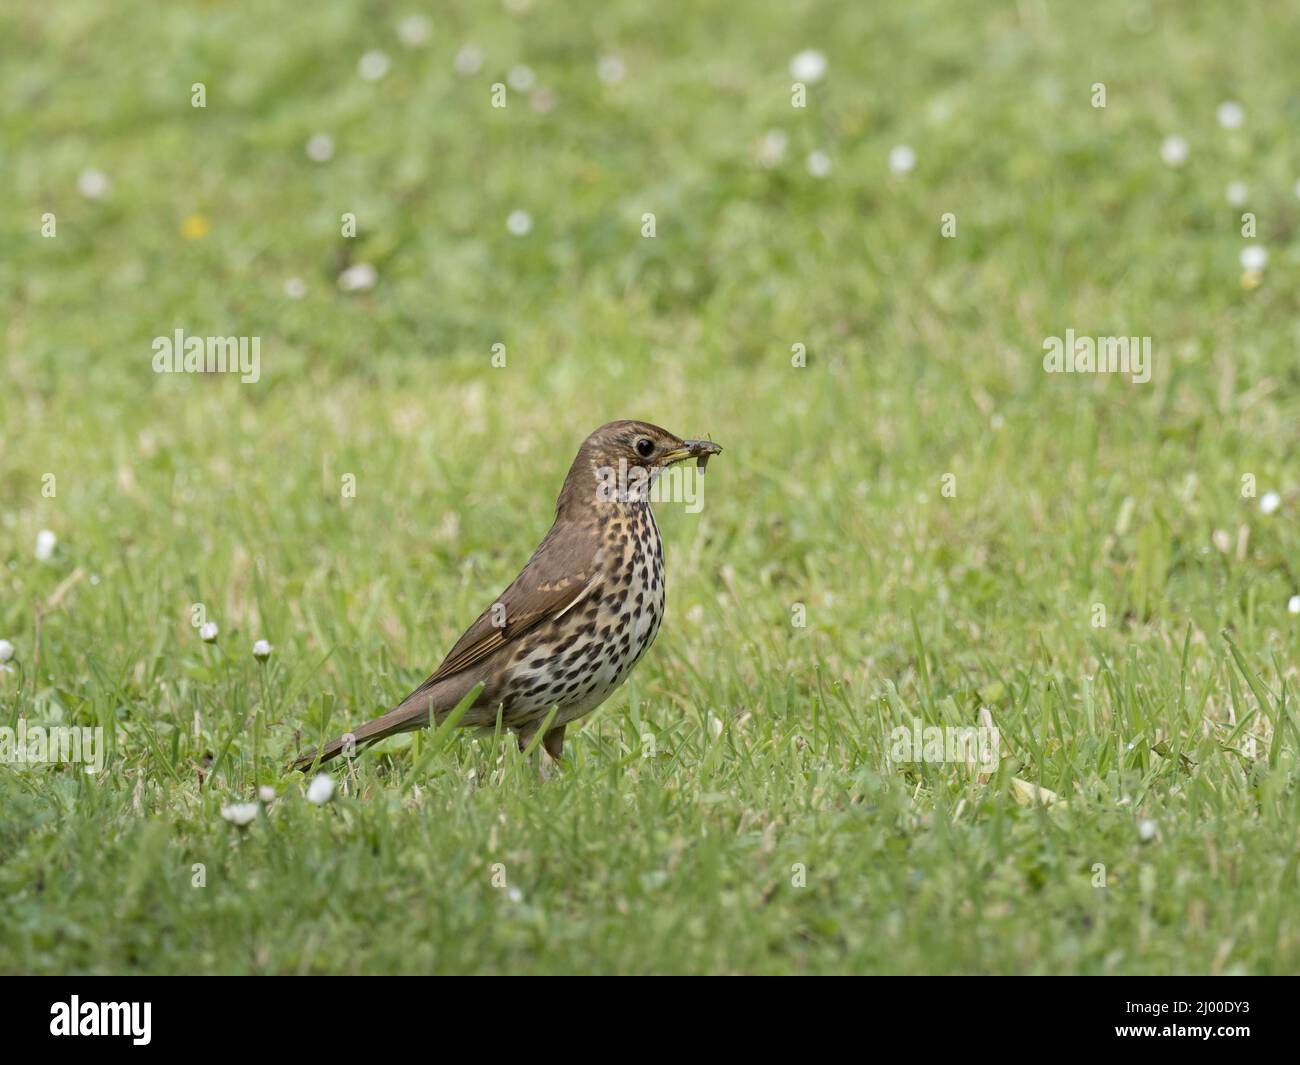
{"x": 552, "y": 748}
{"x": 553, "y": 741}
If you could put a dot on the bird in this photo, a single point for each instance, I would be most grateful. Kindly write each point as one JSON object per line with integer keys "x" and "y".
{"x": 581, "y": 614}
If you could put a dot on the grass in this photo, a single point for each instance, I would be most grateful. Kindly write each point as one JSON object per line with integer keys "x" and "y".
{"x": 735, "y": 807}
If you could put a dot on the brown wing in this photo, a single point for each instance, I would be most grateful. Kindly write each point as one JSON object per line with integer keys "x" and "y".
{"x": 561, "y": 573}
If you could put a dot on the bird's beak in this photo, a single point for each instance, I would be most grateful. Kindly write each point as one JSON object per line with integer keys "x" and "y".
{"x": 701, "y": 450}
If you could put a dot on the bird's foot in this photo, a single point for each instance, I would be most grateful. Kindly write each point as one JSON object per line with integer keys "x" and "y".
{"x": 549, "y": 766}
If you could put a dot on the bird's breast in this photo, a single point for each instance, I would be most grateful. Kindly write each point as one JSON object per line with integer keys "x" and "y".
{"x": 593, "y": 647}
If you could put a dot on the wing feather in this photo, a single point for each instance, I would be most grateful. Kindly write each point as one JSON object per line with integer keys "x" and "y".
{"x": 560, "y": 575}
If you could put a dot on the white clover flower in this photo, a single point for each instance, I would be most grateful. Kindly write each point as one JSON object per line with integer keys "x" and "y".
{"x": 45, "y": 544}
{"x": 261, "y": 650}
{"x": 373, "y": 65}
{"x": 520, "y": 223}
{"x": 266, "y": 793}
{"x": 521, "y": 78}
{"x": 240, "y": 813}
{"x": 1254, "y": 258}
{"x": 295, "y": 288}
{"x": 359, "y": 277}
{"x": 1146, "y": 831}
{"x": 819, "y": 164}
{"x": 1269, "y": 502}
{"x": 321, "y": 789}
{"x": 6, "y": 651}
{"x": 468, "y": 60}
{"x": 320, "y": 148}
{"x": 808, "y": 66}
{"x": 1230, "y": 114}
{"x": 414, "y": 30}
{"x": 208, "y": 632}
{"x": 92, "y": 184}
{"x": 939, "y": 110}
{"x": 771, "y": 148}
{"x": 1173, "y": 150}
{"x": 514, "y": 895}
{"x": 610, "y": 69}
{"x": 901, "y": 159}
{"x": 1293, "y": 604}
{"x": 1236, "y": 193}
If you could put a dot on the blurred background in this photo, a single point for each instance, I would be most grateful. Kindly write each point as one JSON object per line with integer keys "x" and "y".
{"x": 775, "y": 226}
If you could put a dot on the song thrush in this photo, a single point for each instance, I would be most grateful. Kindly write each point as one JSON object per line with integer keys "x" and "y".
{"x": 579, "y": 616}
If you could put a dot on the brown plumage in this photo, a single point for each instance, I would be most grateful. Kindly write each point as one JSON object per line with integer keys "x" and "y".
{"x": 579, "y": 616}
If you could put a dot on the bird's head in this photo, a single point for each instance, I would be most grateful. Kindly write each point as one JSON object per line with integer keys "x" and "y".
{"x": 620, "y": 460}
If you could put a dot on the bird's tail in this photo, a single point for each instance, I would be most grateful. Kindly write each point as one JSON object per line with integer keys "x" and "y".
{"x": 411, "y": 713}
{"x": 389, "y": 724}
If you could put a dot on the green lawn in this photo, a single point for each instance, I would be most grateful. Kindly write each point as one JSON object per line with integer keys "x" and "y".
{"x": 1088, "y": 563}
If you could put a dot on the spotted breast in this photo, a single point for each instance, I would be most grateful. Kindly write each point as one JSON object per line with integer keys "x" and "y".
{"x": 594, "y": 646}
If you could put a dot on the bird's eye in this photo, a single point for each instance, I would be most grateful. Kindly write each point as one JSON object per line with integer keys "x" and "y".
{"x": 645, "y": 447}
